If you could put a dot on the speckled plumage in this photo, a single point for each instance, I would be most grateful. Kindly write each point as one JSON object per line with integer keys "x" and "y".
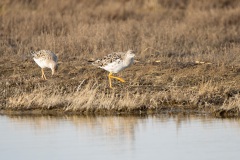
{"x": 115, "y": 62}
{"x": 46, "y": 59}
{"x": 109, "y": 59}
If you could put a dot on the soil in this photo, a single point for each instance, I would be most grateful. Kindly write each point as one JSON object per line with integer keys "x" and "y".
{"x": 151, "y": 77}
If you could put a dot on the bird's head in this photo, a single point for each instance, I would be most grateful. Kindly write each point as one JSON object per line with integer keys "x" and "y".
{"x": 130, "y": 54}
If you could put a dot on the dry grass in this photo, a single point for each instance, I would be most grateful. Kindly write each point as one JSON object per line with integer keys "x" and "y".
{"x": 169, "y": 37}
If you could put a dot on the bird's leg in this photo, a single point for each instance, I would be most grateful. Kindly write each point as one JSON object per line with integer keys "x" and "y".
{"x": 111, "y": 76}
{"x": 118, "y": 78}
{"x": 109, "y": 79}
{"x": 43, "y": 75}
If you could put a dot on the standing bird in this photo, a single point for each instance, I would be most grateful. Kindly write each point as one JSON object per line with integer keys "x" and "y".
{"x": 46, "y": 59}
{"x": 114, "y": 63}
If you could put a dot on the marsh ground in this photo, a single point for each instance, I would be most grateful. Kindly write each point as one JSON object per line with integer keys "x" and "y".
{"x": 187, "y": 55}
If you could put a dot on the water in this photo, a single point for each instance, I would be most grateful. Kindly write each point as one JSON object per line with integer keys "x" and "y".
{"x": 131, "y": 137}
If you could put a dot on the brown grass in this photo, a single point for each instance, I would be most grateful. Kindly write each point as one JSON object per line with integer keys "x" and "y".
{"x": 169, "y": 37}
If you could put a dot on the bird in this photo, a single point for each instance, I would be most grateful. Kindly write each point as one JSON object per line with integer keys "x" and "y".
{"x": 114, "y": 63}
{"x": 46, "y": 59}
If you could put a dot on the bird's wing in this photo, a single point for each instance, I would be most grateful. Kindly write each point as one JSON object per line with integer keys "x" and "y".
{"x": 108, "y": 59}
{"x": 45, "y": 54}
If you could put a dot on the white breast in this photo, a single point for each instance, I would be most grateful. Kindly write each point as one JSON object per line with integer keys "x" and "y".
{"x": 42, "y": 62}
{"x": 114, "y": 67}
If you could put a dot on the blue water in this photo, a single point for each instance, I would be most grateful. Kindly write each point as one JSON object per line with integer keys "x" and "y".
{"x": 112, "y": 137}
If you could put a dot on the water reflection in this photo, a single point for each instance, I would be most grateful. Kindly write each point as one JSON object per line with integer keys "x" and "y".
{"x": 118, "y": 137}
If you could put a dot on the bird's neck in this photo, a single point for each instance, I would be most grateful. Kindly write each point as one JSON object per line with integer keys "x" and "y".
{"x": 128, "y": 61}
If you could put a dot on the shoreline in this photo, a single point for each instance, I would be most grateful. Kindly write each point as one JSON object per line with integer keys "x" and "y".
{"x": 57, "y": 112}
{"x": 138, "y": 111}
{"x": 64, "y": 95}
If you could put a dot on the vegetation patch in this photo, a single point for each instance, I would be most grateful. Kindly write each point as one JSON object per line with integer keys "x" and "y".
{"x": 187, "y": 56}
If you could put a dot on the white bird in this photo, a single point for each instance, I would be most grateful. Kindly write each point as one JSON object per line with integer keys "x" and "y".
{"x": 46, "y": 59}
{"x": 115, "y": 62}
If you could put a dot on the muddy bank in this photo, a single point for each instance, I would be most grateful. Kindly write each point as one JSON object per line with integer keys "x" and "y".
{"x": 151, "y": 87}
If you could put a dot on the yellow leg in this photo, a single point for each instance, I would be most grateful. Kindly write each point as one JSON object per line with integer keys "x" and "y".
{"x": 118, "y": 78}
{"x": 111, "y": 76}
{"x": 43, "y": 75}
{"x": 109, "y": 79}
